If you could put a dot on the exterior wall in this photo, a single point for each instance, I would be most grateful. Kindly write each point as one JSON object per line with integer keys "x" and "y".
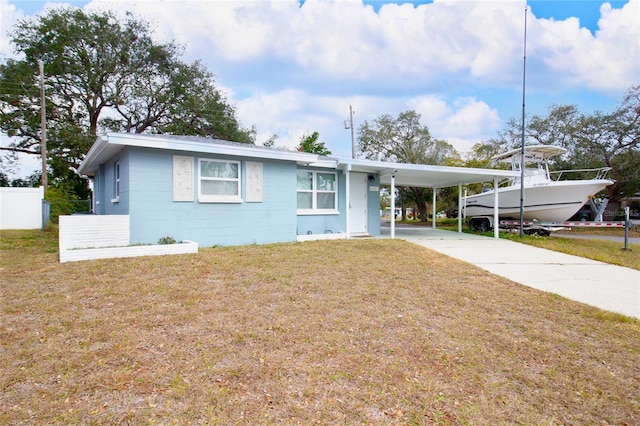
{"x": 104, "y": 186}
{"x": 99, "y": 197}
{"x": 121, "y": 206}
{"x": 21, "y": 208}
{"x": 154, "y": 214}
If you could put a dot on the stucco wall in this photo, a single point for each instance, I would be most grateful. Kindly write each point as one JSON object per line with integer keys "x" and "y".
{"x": 21, "y": 208}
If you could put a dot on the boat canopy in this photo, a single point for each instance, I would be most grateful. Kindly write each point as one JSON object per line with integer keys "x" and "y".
{"x": 532, "y": 154}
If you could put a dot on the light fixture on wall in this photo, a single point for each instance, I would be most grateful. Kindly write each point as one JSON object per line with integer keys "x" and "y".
{"x": 371, "y": 178}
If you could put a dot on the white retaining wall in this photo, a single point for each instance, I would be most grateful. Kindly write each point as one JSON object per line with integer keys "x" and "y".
{"x": 87, "y": 237}
{"x": 93, "y": 231}
{"x": 21, "y": 208}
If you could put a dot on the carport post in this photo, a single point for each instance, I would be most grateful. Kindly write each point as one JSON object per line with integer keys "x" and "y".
{"x": 495, "y": 208}
{"x": 460, "y": 207}
{"x": 393, "y": 205}
{"x": 433, "y": 212}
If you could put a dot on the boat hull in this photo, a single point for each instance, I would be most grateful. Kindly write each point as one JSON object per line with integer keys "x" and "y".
{"x": 553, "y": 201}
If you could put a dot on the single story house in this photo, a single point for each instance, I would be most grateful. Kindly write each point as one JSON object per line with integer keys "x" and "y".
{"x": 217, "y": 192}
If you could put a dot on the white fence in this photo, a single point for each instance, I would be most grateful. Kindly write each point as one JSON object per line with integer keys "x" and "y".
{"x": 86, "y": 237}
{"x": 21, "y": 208}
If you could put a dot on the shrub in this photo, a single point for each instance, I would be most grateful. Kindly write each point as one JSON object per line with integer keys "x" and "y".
{"x": 167, "y": 240}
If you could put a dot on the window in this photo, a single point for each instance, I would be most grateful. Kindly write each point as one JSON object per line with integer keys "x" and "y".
{"x": 219, "y": 181}
{"x": 317, "y": 192}
{"x": 116, "y": 183}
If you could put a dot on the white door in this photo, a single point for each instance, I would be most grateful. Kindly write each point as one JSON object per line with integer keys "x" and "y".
{"x": 358, "y": 203}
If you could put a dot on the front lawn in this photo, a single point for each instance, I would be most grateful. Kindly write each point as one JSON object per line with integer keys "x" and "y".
{"x": 329, "y": 332}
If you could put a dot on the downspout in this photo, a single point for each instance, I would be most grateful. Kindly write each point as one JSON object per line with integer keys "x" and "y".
{"x": 495, "y": 208}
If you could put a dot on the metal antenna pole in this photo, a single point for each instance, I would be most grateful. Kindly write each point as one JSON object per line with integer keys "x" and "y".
{"x": 524, "y": 75}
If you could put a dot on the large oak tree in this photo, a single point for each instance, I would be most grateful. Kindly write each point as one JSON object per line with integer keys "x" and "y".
{"x": 104, "y": 73}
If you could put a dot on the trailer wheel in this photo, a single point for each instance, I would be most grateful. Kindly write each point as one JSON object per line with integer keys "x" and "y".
{"x": 481, "y": 225}
{"x": 544, "y": 232}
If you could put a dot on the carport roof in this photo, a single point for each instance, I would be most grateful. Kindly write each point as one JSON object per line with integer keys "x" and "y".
{"x": 422, "y": 175}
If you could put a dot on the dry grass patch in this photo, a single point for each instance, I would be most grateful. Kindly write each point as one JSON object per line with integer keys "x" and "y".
{"x": 352, "y": 332}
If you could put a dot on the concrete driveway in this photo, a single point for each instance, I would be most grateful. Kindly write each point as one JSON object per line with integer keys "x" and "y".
{"x": 609, "y": 287}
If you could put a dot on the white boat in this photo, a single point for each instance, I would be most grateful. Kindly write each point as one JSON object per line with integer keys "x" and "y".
{"x": 546, "y": 197}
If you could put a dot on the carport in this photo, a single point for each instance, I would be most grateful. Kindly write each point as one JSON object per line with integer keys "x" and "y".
{"x": 427, "y": 176}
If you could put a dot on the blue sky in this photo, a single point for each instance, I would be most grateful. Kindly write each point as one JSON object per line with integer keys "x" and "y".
{"x": 292, "y": 68}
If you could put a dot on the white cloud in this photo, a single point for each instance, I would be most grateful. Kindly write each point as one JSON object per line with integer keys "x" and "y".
{"x": 274, "y": 113}
{"x": 462, "y": 123}
{"x": 294, "y": 69}
{"x": 9, "y": 16}
{"x": 607, "y": 61}
{"x": 430, "y": 46}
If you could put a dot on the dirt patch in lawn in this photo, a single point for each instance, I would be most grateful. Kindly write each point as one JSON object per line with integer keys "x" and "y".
{"x": 329, "y": 332}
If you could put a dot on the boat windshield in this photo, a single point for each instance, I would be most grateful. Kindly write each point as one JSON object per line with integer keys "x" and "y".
{"x": 532, "y": 175}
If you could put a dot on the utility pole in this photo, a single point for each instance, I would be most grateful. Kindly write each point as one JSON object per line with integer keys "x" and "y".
{"x": 353, "y": 145}
{"x": 43, "y": 127}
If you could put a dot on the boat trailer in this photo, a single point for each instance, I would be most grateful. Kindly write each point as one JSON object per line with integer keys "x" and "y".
{"x": 545, "y": 228}
{"x": 485, "y": 223}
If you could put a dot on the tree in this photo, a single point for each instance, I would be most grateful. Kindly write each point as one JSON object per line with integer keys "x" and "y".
{"x": 94, "y": 63}
{"x": 310, "y": 143}
{"x": 404, "y": 139}
{"x": 482, "y": 152}
{"x": 4, "y": 180}
{"x": 271, "y": 141}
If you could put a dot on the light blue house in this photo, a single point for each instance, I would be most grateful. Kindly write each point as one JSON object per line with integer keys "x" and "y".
{"x": 217, "y": 192}
{"x": 224, "y": 193}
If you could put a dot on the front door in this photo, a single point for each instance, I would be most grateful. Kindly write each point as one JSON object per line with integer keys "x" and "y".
{"x": 358, "y": 203}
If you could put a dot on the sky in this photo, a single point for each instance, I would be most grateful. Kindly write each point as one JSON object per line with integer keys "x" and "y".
{"x": 295, "y": 67}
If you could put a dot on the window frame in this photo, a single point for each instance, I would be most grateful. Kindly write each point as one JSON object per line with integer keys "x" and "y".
{"x": 219, "y": 198}
{"x": 314, "y": 210}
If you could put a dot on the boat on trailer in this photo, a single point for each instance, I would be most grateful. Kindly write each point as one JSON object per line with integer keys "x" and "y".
{"x": 548, "y": 196}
